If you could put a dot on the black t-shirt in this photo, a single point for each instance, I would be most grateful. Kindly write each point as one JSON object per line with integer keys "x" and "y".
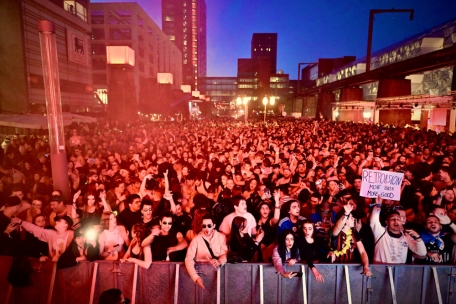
{"x": 182, "y": 223}
{"x": 129, "y": 218}
{"x": 445, "y": 249}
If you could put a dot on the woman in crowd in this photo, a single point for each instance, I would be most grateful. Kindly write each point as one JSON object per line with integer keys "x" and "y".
{"x": 285, "y": 253}
{"x": 313, "y": 248}
{"x": 268, "y": 224}
{"x": 250, "y": 188}
{"x": 137, "y": 254}
{"x": 348, "y": 246}
{"x": 91, "y": 211}
{"x": 112, "y": 238}
{"x": 241, "y": 242}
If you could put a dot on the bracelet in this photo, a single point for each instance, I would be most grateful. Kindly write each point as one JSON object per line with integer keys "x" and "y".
{"x": 277, "y": 207}
{"x": 346, "y": 215}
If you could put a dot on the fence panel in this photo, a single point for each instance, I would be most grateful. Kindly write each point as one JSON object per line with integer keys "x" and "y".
{"x": 239, "y": 283}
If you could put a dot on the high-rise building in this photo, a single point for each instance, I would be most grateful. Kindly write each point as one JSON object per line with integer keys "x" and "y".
{"x": 21, "y": 76}
{"x": 265, "y": 45}
{"x": 184, "y": 21}
{"x": 127, "y": 24}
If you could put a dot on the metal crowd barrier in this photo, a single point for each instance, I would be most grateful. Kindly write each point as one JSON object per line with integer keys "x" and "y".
{"x": 234, "y": 283}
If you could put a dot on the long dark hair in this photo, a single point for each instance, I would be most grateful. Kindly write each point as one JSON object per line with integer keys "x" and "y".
{"x": 238, "y": 221}
{"x": 282, "y": 247}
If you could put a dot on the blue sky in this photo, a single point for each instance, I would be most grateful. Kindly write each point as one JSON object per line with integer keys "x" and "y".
{"x": 307, "y": 29}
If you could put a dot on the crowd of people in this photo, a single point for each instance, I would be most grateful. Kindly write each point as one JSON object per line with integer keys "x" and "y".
{"x": 221, "y": 191}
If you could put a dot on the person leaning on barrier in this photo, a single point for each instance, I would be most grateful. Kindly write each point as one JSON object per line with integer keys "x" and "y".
{"x": 208, "y": 246}
{"x": 285, "y": 253}
{"x": 58, "y": 240}
{"x": 392, "y": 242}
{"x": 347, "y": 239}
{"x": 166, "y": 243}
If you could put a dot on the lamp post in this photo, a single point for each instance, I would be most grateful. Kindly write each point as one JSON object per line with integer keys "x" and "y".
{"x": 271, "y": 100}
{"x": 244, "y": 100}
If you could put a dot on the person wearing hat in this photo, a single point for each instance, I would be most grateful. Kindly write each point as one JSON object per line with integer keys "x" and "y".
{"x": 8, "y": 237}
{"x": 58, "y": 240}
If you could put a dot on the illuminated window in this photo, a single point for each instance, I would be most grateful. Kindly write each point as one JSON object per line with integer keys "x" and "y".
{"x": 169, "y": 18}
{"x": 172, "y": 38}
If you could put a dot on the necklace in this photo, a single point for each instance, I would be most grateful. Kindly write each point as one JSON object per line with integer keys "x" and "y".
{"x": 345, "y": 245}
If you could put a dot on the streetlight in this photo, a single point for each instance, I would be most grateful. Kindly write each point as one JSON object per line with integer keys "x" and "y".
{"x": 244, "y": 101}
{"x": 271, "y": 100}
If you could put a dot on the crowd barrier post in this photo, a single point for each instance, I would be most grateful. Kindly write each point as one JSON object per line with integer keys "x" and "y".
{"x": 94, "y": 282}
{"x": 393, "y": 289}
{"x": 176, "y": 285}
{"x": 51, "y": 286}
{"x": 279, "y": 290}
{"x": 437, "y": 285}
{"x": 135, "y": 282}
{"x": 261, "y": 284}
{"x": 366, "y": 288}
{"x": 347, "y": 278}
{"x": 218, "y": 285}
{"x": 304, "y": 287}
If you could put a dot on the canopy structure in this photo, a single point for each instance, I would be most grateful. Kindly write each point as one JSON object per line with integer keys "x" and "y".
{"x": 37, "y": 121}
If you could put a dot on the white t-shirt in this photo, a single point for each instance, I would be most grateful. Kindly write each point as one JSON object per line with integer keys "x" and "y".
{"x": 225, "y": 226}
{"x": 389, "y": 249}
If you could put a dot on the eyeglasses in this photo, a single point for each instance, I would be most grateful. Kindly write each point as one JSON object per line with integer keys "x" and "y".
{"x": 167, "y": 223}
{"x": 147, "y": 210}
{"x": 208, "y": 226}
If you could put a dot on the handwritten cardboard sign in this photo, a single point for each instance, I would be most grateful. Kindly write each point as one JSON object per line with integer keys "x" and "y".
{"x": 387, "y": 184}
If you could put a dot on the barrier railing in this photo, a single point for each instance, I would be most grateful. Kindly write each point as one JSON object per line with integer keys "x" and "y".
{"x": 234, "y": 283}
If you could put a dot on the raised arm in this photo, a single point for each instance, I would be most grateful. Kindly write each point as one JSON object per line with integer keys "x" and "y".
{"x": 343, "y": 220}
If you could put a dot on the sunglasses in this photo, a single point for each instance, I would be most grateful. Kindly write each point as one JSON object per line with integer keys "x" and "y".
{"x": 208, "y": 226}
{"x": 147, "y": 210}
{"x": 167, "y": 223}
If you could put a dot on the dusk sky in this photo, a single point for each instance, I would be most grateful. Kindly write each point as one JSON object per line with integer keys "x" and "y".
{"x": 307, "y": 29}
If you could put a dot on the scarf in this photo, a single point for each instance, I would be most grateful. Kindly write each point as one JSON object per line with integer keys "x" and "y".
{"x": 429, "y": 238}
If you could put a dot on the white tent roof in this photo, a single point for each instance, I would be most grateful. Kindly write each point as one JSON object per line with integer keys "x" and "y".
{"x": 37, "y": 121}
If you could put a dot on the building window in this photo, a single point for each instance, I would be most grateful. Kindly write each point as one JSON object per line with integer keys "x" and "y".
{"x": 120, "y": 34}
{"x": 76, "y": 9}
{"x": 98, "y": 34}
{"x": 169, "y": 18}
{"x": 172, "y": 38}
{"x": 98, "y": 49}
{"x": 141, "y": 67}
{"x": 99, "y": 64}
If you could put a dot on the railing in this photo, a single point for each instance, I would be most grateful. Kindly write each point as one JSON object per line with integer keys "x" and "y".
{"x": 234, "y": 283}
